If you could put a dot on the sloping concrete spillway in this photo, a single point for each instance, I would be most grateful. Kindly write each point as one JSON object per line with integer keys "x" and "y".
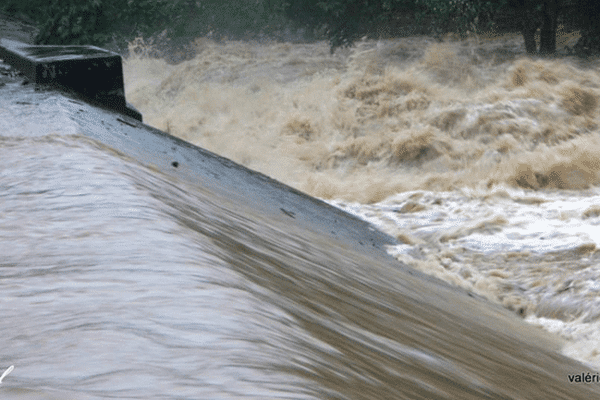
{"x": 359, "y": 324}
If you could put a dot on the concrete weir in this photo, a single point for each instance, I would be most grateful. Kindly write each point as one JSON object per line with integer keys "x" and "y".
{"x": 446, "y": 342}
{"x": 91, "y": 72}
{"x": 88, "y": 72}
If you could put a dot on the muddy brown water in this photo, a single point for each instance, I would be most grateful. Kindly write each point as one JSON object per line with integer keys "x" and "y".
{"x": 121, "y": 281}
{"x": 481, "y": 161}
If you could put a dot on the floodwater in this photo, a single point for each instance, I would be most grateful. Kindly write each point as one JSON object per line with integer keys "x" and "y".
{"x": 121, "y": 281}
{"x": 484, "y": 163}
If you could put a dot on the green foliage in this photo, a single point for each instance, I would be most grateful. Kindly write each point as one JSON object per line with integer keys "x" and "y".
{"x": 341, "y": 21}
{"x": 588, "y": 15}
{"x": 460, "y": 16}
{"x": 70, "y": 22}
{"x": 98, "y": 21}
{"x": 29, "y": 9}
{"x": 238, "y": 18}
{"x": 94, "y": 21}
{"x": 344, "y": 21}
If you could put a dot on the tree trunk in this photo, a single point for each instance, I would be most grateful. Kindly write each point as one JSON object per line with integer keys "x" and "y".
{"x": 548, "y": 31}
{"x": 529, "y": 24}
{"x": 529, "y": 36}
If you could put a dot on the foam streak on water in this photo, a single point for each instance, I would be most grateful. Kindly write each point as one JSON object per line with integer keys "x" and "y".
{"x": 482, "y": 162}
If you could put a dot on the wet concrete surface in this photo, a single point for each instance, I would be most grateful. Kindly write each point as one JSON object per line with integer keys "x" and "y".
{"x": 193, "y": 164}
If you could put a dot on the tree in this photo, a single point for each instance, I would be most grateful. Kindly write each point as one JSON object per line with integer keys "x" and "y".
{"x": 97, "y": 21}
{"x": 73, "y": 22}
{"x": 460, "y": 16}
{"x": 550, "y": 9}
{"x": 344, "y": 21}
{"x": 588, "y": 13}
{"x": 533, "y": 14}
{"x": 538, "y": 14}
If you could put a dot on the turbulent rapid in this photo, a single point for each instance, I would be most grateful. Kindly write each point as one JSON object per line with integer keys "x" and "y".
{"x": 382, "y": 118}
{"x": 481, "y": 161}
{"x": 123, "y": 278}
